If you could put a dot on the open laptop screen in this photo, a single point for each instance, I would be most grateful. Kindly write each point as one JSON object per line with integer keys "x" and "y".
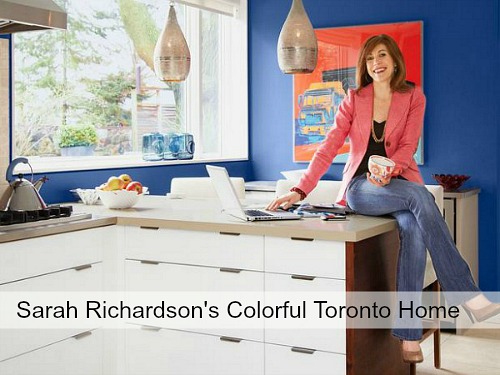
{"x": 225, "y": 190}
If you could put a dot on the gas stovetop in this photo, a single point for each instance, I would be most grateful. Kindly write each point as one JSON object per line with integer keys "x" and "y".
{"x": 12, "y": 220}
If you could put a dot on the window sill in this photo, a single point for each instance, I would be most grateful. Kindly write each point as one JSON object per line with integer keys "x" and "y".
{"x": 85, "y": 163}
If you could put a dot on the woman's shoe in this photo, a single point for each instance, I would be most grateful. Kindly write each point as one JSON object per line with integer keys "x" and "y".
{"x": 482, "y": 313}
{"x": 412, "y": 356}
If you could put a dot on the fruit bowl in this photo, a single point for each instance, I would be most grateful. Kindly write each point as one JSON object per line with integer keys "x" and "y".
{"x": 450, "y": 182}
{"x": 118, "y": 198}
{"x": 88, "y": 196}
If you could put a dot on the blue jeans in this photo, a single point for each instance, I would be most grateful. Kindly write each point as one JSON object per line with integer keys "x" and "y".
{"x": 421, "y": 226}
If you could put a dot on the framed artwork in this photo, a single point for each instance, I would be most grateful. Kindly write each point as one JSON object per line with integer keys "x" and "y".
{"x": 318, "y": 95}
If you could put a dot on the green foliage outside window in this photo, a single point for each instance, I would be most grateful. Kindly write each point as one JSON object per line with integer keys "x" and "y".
{"x": 77, "y": 135}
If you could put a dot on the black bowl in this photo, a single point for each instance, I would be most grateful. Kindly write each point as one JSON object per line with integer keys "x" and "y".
{"x": 450, "y": 182}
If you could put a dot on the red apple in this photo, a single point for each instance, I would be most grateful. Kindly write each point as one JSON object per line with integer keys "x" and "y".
{"x": 135, "y": 186}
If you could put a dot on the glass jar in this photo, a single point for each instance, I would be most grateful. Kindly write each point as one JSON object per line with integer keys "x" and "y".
{"x": 178, "y": 146}
{"x": 152, "y": 146}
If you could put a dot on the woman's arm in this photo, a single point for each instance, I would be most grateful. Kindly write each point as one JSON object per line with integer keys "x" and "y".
{"x": 328, "y": 149}
{"x": 323, "y": 156}
{"x": 407, "y": 145}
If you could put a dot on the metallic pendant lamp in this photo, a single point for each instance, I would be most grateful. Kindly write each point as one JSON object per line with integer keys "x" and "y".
{"x": 172, "y": 59}
{"x": 297, "y": 43}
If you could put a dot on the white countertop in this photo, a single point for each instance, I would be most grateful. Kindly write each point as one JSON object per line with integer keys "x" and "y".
{"x": 205, "y": 215}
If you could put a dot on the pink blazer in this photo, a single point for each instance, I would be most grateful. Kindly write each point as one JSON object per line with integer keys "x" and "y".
{"x": 354, "y": 119}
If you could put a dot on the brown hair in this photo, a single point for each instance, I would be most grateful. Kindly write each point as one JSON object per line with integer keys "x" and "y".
{"x": 398, "y": 80}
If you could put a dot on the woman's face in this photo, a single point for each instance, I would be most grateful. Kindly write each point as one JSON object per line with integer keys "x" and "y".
{"x": 380, "y": 64}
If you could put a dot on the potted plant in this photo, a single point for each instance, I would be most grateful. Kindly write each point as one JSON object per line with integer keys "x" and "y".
{"x": 77, "y": 140}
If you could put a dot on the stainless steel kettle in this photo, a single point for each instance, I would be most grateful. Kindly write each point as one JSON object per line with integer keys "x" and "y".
{"x": 21, "y": 193}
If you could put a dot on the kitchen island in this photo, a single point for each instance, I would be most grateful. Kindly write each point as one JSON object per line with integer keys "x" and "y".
{"x": 187, "y": 245}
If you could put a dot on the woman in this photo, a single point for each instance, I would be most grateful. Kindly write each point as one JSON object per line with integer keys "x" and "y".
{"x": 384, "y": 116}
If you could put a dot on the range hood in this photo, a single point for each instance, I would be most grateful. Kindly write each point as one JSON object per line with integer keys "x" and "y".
{"x": 28, "y": 15}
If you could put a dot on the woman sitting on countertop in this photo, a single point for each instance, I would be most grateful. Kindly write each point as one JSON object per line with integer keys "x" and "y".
{"x": 384, "y": 116}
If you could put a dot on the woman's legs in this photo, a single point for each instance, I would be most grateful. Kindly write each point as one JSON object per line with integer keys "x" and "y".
{"x": 410, "y": 272}
{"x": 400, "y": 195}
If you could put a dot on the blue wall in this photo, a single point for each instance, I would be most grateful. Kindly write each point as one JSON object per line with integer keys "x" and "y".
{"x": 461, "y": 43}
{"x": 461, "y": 60}
{"x": 156, "y": 178}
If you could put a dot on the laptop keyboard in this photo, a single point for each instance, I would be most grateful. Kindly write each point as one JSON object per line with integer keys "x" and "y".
{"x": 255, "y": 213}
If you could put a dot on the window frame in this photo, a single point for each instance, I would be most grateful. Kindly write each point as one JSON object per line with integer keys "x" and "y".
{"x": 234, "y": 127}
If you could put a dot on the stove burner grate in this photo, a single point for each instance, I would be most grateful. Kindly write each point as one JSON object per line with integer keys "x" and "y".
{"x": 19, "y": 217}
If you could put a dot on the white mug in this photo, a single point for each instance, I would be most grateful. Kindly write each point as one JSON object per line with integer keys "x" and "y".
{"x": 380, "y": 167}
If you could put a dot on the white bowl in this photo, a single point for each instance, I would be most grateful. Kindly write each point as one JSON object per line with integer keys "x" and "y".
{"x": 119, "y": 198}
{"x": 88, "y": 196}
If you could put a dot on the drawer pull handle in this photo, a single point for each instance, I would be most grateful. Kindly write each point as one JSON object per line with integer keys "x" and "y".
{"x": 303, "y": 277}
{"x": 297, "y": 349}
{"x": 149, "y": 228}
{"x": 151, "y": 328}
{"x": 302, "y": 239}
{"x": 229, "y": 234}
{"x": 83, "y": 267}
{"x": 149, "y": 262}
{"x": 230, "y": 339}
{"x": 82, "y": 335}
{"x": 231, "y": 270}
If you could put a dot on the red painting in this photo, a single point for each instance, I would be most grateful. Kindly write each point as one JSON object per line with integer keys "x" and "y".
{"x": 318, "y": 95}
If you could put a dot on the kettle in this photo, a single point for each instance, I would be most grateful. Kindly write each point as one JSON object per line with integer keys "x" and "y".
{"x": 21, "y": 194}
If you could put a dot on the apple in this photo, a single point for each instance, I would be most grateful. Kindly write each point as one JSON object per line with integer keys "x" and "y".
{"x": 125, "y": 178}
{"x": 115, "y": 183}
{"x": 135, "y": 186}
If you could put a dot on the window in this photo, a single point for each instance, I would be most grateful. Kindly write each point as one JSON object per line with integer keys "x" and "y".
{"x": 86, "y": 98}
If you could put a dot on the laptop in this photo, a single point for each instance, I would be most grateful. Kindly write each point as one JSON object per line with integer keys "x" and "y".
{"x": 232, "y": 205}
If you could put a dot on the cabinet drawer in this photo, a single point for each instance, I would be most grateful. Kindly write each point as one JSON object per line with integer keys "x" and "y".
{"x": 157, "y": 276}
{"x": 284, "y": 360}
{"x": 169, "y": 352}
{"x": 37, "y": 256}
{"x": 17, "y": 341}
{"x": 80, "y": 355}
{"x": 305, "y": 257}
{"x": 85, "y": 277}
{"x": 199, "y": 248}
{"x": 178, "y": 278}
{"x": 332, "y": 340}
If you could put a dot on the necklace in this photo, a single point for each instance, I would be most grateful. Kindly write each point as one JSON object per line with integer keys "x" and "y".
{"x": 374, "y": 136}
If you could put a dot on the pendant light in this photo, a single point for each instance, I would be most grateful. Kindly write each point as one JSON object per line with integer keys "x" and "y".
{"x": 172, "y": 59}
{"x": 297, "y": 43}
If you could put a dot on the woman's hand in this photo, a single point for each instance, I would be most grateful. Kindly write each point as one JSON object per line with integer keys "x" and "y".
{"x": 285, "y": 201}
{"x": 380, "y": 181}
{"x": 396, "y": 172}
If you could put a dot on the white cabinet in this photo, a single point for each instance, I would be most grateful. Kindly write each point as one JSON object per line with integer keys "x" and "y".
{"x": 285, "y": 360}
{"x": 217, "y": 249}
{"x": 169, "y": 352}
{"x": 461, "y": 216}
{"x": 38, "y": 256}
{"x": 56, "y": 263}
{"x": 305, "y": 256}
{"x": 158, "y": 276}
{"x": 333, "y": 340}
{"x": 17, "y": 341}
{"x": 78, "y": 355}
{"x": 193, "y": 261}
